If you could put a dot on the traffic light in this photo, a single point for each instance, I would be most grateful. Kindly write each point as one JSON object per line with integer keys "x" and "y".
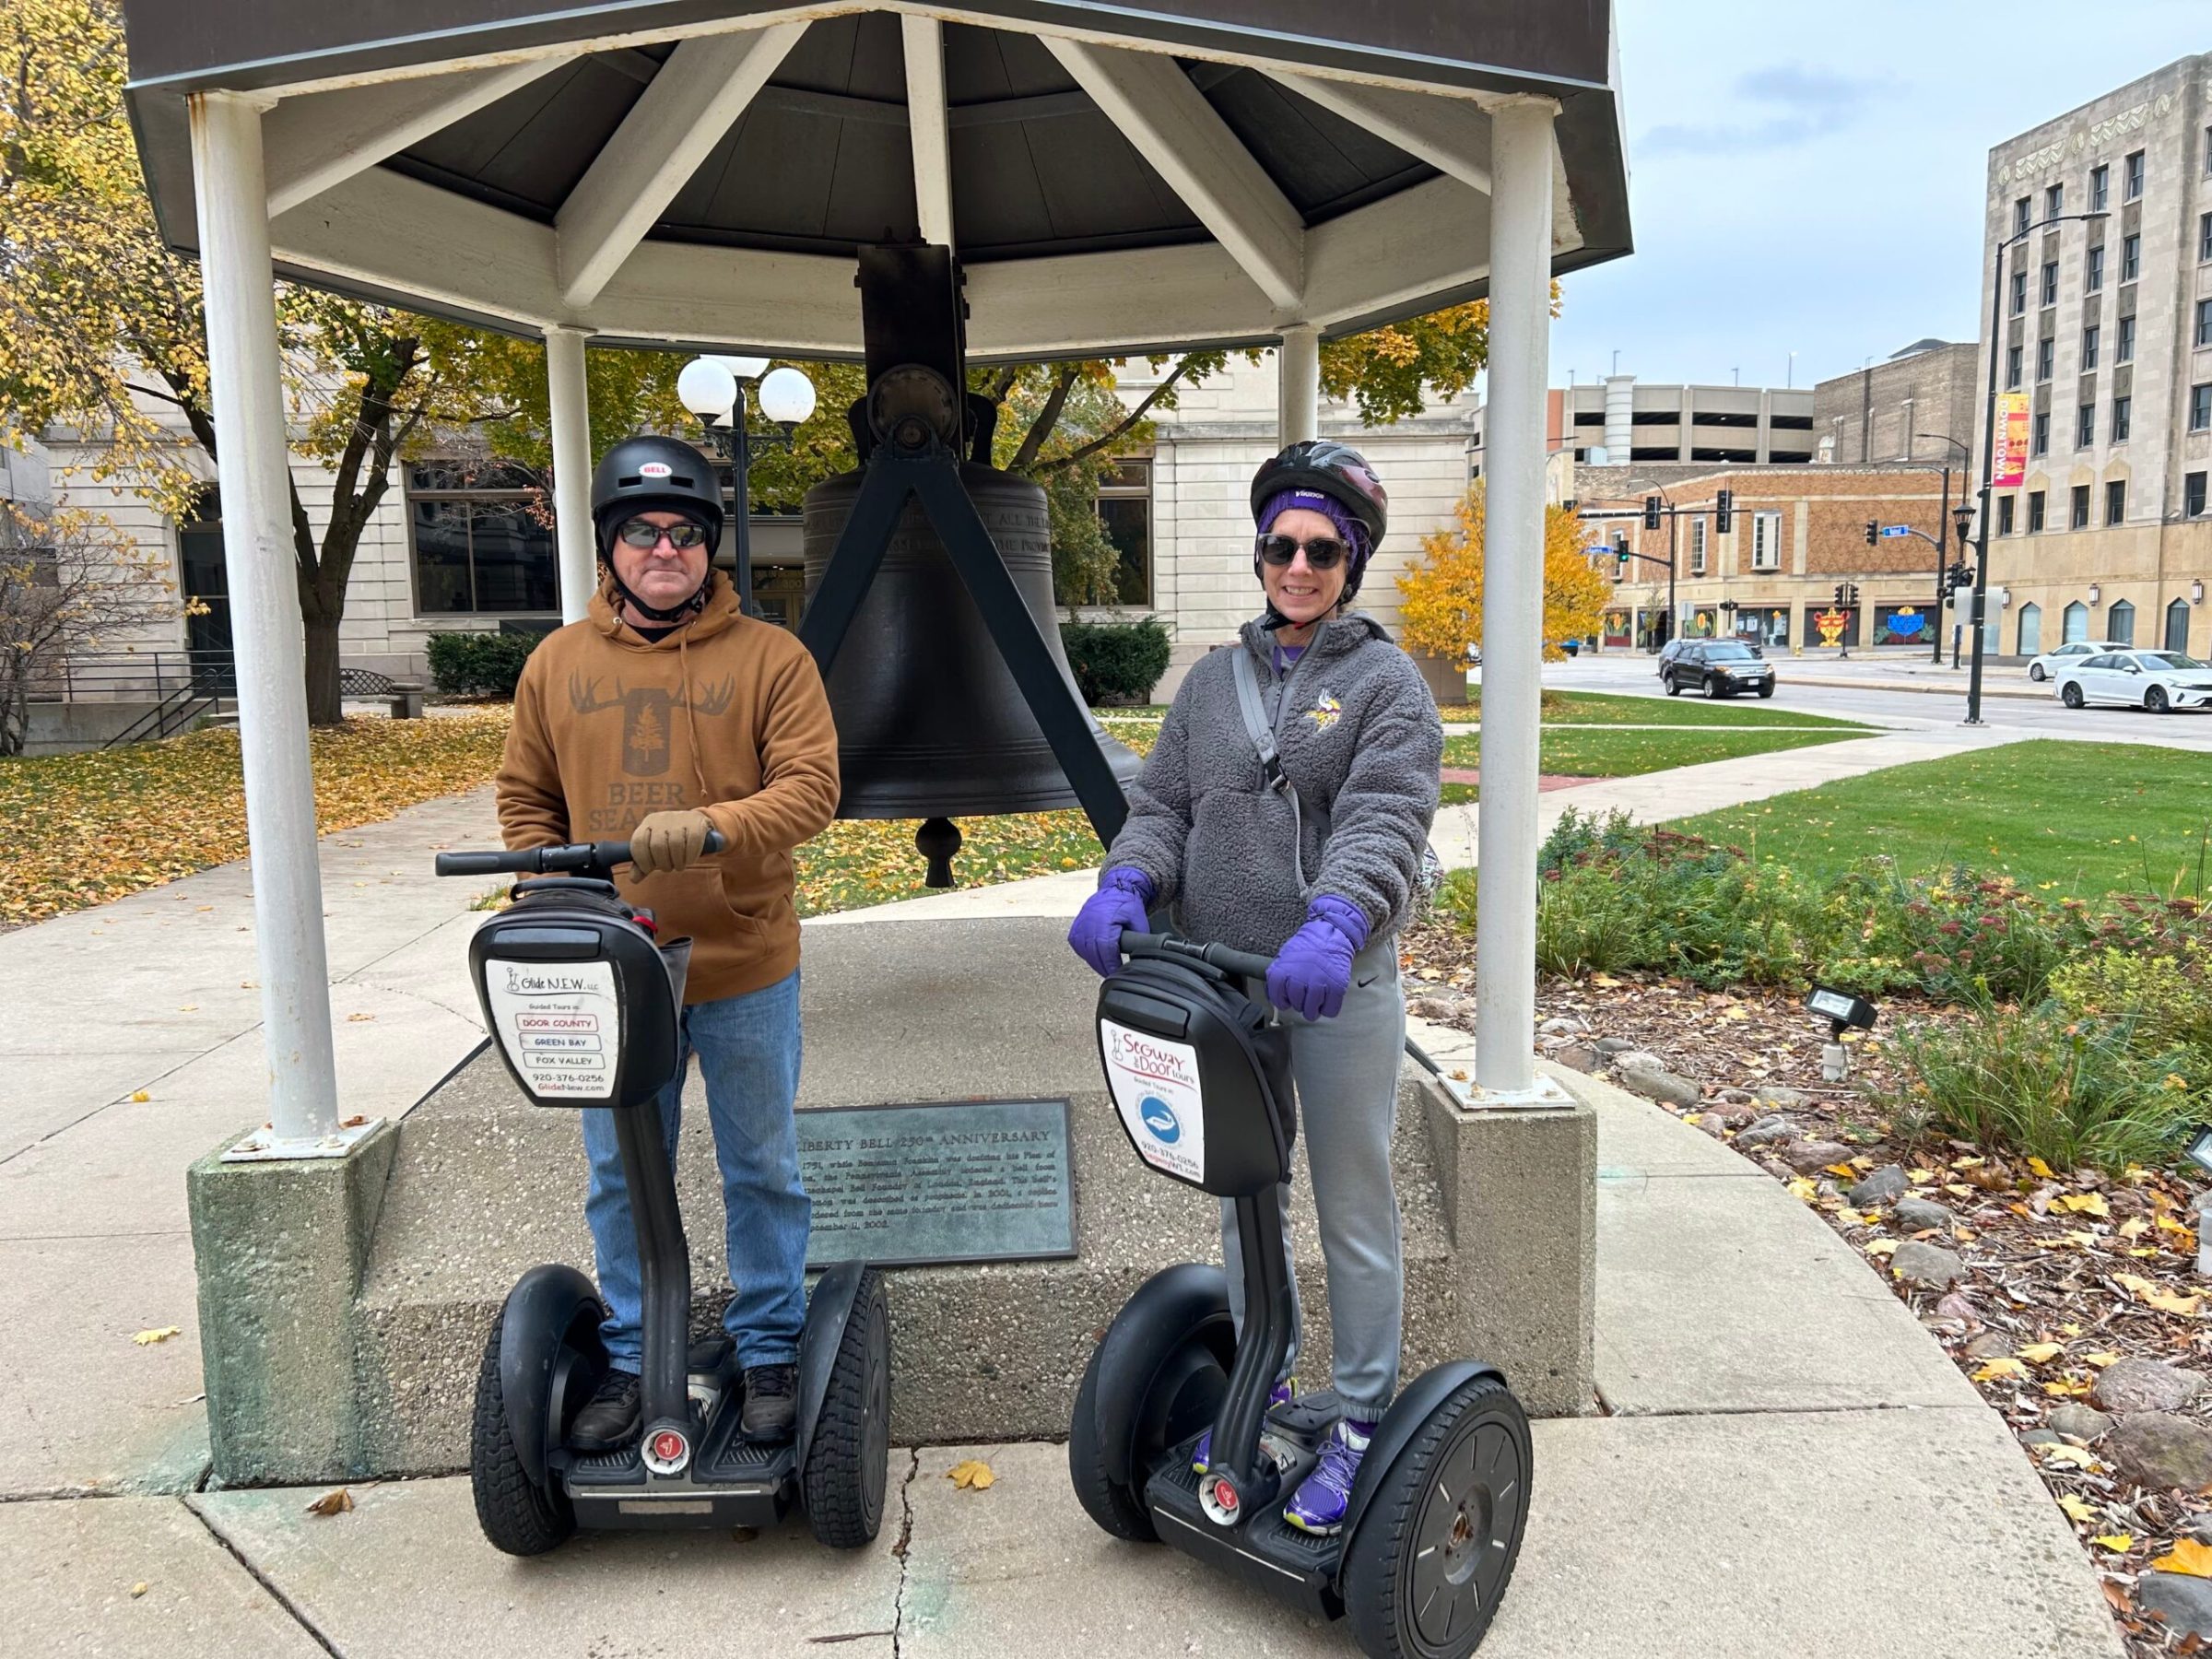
{"x": 1621, "y": 561}
{"x": 1650, "y": 513}
{"x": 1958, "y": 577}
{"x": 1873, "y": 531}
{"x": 1838, "y": 591}
{"x": 1723, "y": 508}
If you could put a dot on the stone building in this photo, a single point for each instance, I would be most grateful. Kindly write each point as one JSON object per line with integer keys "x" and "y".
{"x": 1917, "y": 405}
{"x": 2106, "y": 326}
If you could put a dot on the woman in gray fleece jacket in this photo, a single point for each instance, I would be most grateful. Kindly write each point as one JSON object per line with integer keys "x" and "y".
{"x": 1322, "y": 882}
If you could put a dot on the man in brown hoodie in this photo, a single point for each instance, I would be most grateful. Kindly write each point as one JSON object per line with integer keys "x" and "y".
{"x": 666, "y": 714}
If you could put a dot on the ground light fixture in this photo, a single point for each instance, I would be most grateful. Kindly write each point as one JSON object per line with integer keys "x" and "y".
{"x": 2199, "y": 1152}
{"x": 1844, "y": 1012}
{"x": 2199, "y": 1149}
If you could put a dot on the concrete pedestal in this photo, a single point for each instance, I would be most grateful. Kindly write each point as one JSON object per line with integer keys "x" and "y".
{"x": 279, "y": 1249}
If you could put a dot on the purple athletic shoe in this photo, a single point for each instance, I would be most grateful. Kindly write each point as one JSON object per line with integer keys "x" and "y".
{"x": 1284, "y": 1393}
{"x": 1321, "y": 1497}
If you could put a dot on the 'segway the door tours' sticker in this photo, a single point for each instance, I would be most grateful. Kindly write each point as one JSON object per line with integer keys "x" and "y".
{"x": 1155, "y": 1084}
{"x": 559, "y": 1025}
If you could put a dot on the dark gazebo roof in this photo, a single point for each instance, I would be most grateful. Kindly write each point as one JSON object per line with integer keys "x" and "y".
{"x": 699, "y": 173}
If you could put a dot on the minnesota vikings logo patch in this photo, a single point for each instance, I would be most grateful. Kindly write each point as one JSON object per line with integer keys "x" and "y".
{"x": 1325, "y": 713}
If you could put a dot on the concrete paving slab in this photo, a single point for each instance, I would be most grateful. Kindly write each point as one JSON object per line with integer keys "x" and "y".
{"x": 103, "y": 1413}
{"x": 71, "y": 1568}
{"x": 51, "y": 1088}
{"x": 408, "y": 1573}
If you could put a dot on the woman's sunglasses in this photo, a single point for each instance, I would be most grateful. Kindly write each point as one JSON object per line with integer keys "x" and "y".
{"x": 1323, "y": 553}
{"x": 645, "y": 537}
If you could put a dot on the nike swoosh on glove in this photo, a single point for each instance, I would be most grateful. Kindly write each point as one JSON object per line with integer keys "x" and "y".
{"x": 1313, "y": 969}
{"x": 1123, "y": 896}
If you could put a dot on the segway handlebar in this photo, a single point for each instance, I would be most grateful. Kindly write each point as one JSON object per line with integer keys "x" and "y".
{"x": 1134, "y": 944}
{"x": 579, "y": 859}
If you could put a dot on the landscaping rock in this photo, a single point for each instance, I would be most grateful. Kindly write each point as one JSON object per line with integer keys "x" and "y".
{"x": 1917, "y": 1214}
{"x": 1713, "y": 1123}
{"x": 1610, "y": 1046}
{"x": 1734, "y": 1116}
{"x": 1431, "y": 1007}
{"x": 1655, "y": 1080}
{"x": 2042, "y": 1437}
{"x": 1768, "y": 1131}
{"x": 2144, "y": 1385}
{"x": 1773, "y": 1094}
{"x": 2182, "y": 1599}
{"x": 1990, "y": 1344}
{"x": 1575, "y": 1057}
{"x": 1926, "y": 1265}
{"x": 1883, "y": 1184}
{"x": 1561, "y": 1025}
{"x": 1807, "y": 1157}
{"x": 1960, "y": 1306}
{"x": 2076, "y": 1421}
{"x": 2158, "y": 1450}
{"x": 2198, "y": 1527}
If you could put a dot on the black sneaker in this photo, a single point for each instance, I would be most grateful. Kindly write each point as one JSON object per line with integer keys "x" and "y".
{"x": 772, "y": 1402}
{"x": 611, "y": 1420}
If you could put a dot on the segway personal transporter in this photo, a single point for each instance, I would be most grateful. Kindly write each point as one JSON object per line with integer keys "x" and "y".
{"x": 583, "y": 1001}
{"x": 1200, "y": 1076}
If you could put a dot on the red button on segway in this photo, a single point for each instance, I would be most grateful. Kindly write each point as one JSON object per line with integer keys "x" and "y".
{"x": 1225, "y": 1494}
{"x": 669, "y": 1446}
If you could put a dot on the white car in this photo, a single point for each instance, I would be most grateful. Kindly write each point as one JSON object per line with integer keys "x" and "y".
{"x": 2160, "y": 681}
{"x": 2047, "y": 666}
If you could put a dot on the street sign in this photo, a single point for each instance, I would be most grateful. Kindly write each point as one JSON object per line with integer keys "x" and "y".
{"x": 1896, "y": 529}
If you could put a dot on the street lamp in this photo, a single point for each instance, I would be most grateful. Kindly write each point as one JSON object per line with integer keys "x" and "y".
{"x": 1914, "y": 436}
{"x": 1989, "y": 446}
{"x": 712, "y": 388}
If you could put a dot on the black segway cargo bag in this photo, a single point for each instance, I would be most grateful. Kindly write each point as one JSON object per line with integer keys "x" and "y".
{"x": 1199, "y": 1076}
{"x": 583, "y": 1003}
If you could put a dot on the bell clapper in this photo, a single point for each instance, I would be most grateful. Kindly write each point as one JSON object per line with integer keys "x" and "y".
{"x": 938, "y": 841}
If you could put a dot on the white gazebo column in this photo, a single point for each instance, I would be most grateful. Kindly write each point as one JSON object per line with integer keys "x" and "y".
{"x": 255, "y": 473}
{"x": 1513, "y": 600}
{"x": 569, "y": 397}
{"x": 1298, "y": 367}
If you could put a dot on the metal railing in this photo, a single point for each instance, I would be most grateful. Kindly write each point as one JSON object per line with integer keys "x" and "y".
{"x": 131, "y": 676}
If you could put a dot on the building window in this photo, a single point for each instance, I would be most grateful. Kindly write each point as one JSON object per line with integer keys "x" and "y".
{"x": 2193, "y": 495}
{"x": 2012, "y": 368}
{"x": 1765, "y": 541}
{"x": 1697, "y": 546}
{"x": 2123, "y": 349}
{"x": 2134, "y": 174}
{"x": 481, "y": 544}
{"x": 2035, "y": 512}
{"x": 2092, "y": 270}
{"x": 2116, "y": 501}
{"x": 2100, "y": 188}
{"x": 2200, "y": 407}
{"x": 2054, "y": 201}
{"x": 2204, "y": 321}
{"x": 2004, "y": 507}
{"x": 2073, "y": 625}
{"x": 2079, "y": 519}
{"x": 2130, "y": 257}
{"x": 2023, "y": 214}
{"x": 2031, "y": 629}
{"x": 2050, "y": 288}
{"x": 2019, "y": 293}
{"x": 2120, "y": 623}
{"x": 1125, "y": 509}
{"x": 2177, "y": 625}
{"x": 2204, "y": 237}
{"x": 2038, "y": 440}
{"x": 2085, "y": 426}
{"x": 2123, "y": 418}
{"x": 2089, "y": 338}
{"x": 2046, "y": 357}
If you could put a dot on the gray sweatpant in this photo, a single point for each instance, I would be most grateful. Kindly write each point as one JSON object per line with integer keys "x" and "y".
{"x": 1346, "y": 1070}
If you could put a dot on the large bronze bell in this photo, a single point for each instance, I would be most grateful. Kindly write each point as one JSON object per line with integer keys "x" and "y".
{"x": 929, "y": 723}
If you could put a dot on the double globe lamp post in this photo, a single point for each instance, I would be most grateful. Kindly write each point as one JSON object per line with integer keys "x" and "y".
{"x": 713, "y": 389}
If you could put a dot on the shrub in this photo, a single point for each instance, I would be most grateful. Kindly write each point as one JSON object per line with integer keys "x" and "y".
{"x": 479, "y": 665}
{"x": 2038, "y": 1083}
{"x": 1116, "y": 662}
{"x": 2165, "y": 1000}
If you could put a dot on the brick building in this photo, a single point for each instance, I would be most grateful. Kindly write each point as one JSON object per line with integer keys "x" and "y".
{"x": 1796, "y": 533}
{"x": 1917, "y": 405}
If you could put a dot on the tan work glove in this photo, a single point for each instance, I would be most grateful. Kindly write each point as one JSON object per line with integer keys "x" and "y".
{"x": 669, "y": 841}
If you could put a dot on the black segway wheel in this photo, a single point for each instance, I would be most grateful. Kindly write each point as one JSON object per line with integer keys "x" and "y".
{"x": 518, "y": 1515}
{"x": 1184, "y": 1397}
{"x": 848, "y": 1461}
{"x": 1435, "y": 1548}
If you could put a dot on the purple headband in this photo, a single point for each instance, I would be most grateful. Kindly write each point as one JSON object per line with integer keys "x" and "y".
{"x": 1348, "y": 529}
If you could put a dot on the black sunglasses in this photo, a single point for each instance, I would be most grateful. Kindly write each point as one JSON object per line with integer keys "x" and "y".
{"x": 645, "y": 536}
{"x": 1323, "y": 553}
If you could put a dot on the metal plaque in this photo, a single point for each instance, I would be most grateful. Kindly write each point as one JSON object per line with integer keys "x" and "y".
{"x": 951, "y": 1181}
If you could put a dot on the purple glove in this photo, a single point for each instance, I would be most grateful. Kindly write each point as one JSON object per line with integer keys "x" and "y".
{"x": 1123, "y": 897}
{"x": 1313, "y": 969}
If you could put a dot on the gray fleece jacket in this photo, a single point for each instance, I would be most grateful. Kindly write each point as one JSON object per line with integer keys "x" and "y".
{"x": 1359, "y": 738}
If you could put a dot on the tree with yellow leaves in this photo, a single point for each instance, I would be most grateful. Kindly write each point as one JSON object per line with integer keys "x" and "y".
{"x": 1440, "y": 599}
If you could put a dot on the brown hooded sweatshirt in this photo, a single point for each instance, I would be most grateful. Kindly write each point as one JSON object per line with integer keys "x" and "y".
{"x": 727, "y": 714}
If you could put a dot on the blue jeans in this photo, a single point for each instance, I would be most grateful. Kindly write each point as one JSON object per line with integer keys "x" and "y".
{"x": 749, "y": 1053}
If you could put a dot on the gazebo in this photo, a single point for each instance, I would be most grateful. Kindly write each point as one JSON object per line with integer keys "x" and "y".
{"x": 699, "y": 173}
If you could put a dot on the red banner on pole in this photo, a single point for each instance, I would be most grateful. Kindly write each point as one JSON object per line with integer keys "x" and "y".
{"x": 2009, "y": 465}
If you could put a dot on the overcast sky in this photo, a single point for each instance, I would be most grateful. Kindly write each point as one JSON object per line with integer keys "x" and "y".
{"x": 1809, "y": 178}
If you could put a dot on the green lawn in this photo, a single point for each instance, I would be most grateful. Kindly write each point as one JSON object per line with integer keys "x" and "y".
{"x": 2087, "y": 818}
{"x": 1599, "y": 753}
{"x": 1596, "y": 707}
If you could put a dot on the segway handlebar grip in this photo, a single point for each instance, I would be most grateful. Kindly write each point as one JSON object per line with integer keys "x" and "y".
{"x": 1243, "y": 962}
{"x": 550, "y": 861}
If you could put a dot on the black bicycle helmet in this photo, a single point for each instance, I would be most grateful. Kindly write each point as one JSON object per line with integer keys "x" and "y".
{"x": 1337, "y": 471}
{"x": 655, "y": 475}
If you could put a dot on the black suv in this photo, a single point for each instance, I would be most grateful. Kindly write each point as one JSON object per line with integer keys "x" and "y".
{"x": 1718, "y": 669}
